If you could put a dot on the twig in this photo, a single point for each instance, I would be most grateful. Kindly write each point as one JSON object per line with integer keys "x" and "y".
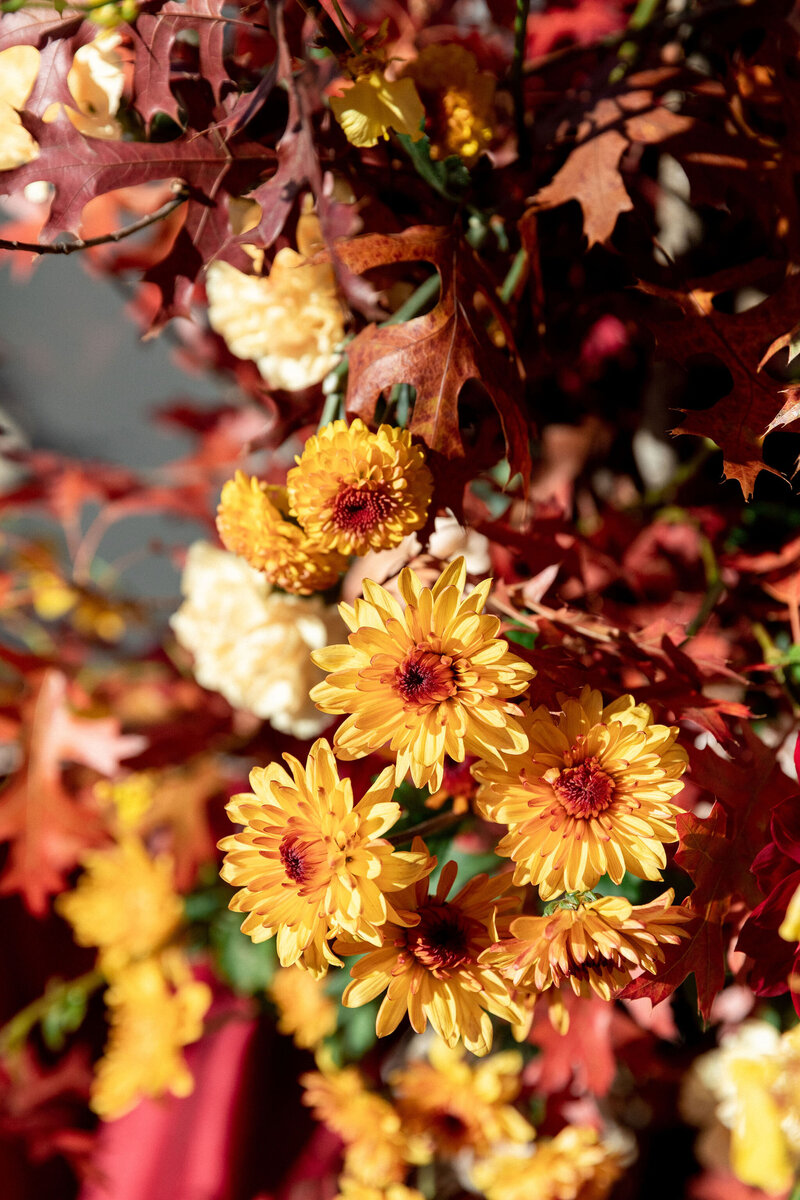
{"x": 103, "y": 239}
{"x": 432, "y": 825}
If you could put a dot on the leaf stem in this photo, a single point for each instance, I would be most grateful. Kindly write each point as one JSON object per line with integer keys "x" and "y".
{"x": 424, "y": 828}
{"x": 426, "y": 292}
{"x": 515, "y": 272}
{"x": 103, "y": 239}
{"x": 521, "y": 13}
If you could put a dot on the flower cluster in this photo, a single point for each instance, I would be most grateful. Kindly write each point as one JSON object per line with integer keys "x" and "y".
{"x": 352, "y": 491}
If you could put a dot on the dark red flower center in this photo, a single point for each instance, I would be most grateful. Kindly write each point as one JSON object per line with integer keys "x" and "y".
{"x": 585, "y": 790}
{"x": 591, "y": 967}
{"x": 361, "y": 509}
{"x": 425, "y": 677}
{"x": 450, "y": 1128}
{"x": 441, "y": 940}
{"x": 294, "y": 860}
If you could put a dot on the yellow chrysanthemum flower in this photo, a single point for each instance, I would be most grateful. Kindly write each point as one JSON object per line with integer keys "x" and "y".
{"x": 594, "y": 945}
{"x": 252, "y": 522}
{"x": 589, "y": 797}
{"x": 431, "y": 679}
{"x": 312, "y": 863}
{"x": 373, "y": 104}
{"x": 125, "y": 903}
{"x": 352, "y": 1189}
{"x": 355, "y": 491}
{"x": 155, "y": 1008}
{"x": 432, "y": 970}
{"x": 19, "y": 66}
{"x": 790, "y": 925}
{"x": 574, "y": 1165}
{"x": 458, "y": 98}
{"x": 452, "y": 1104}
{"x": 306, "y": 1012}
{"x": 289, "y": 322}
{"x": 376, "y": 1147}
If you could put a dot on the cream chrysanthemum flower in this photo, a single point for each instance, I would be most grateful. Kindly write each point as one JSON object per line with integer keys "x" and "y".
{"x": 156, "y": 1008}
{"x": 590, "y": 795}
{"x": 251, "y": 644}
{"x": 458, "y": 99}
{"x": 577, "y": 1164}
{"x": 354, "y": 491}
{"x": 431, "y": 679}
{"x": 452, "y": 1104}
{"x": 432, "y": 970}
{"x": 125, "y": 903}
{"x": 289, "y": 322}
{"x": 19, "y": 66}
{"x": 96, "y": 80}
{"x": 376, "y": 1147}
{"x": 592, "y": 944}
{"x": 252, "y": 522}
{"x": 306, "y": 1012}
{"x": 372, "y": 105}
{"x": 312, "y": 863}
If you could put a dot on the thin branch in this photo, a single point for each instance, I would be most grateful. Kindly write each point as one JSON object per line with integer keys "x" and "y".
{"x": 103, "y": 239}
{"x": 432, "y": 825}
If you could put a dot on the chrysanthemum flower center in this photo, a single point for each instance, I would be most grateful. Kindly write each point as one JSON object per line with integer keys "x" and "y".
{"x": 585, "y": 790}
{"x": 361, "y": 509}
{"x": 591, "y": 967}
{"x": 441, "y": 940}
{"x": 450, "y": 1127}
{"x": 425, "y": 677}
{"x": 295, "y": 864}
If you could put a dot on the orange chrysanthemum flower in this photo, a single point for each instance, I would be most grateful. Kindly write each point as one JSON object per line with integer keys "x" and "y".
{"x": 311, "y": 863}
{"x": 376, "y": 1147}
{"x": 125, "y": 903}
{"x": 353, "y": 490}
{"x": 252, "y": 520}
{"x": 452, "y": 1104}
{"x": 305, "y": 1010}
{"x": 577, "y": 1164}
{"x": 353, "y": 1189}
{"x": 590, "y": 795}
{"x": 595, "y": 945}
{"x": 156, "y": 1007}
{"x": 431, "y": 679}
{"x": 431, "y": 970}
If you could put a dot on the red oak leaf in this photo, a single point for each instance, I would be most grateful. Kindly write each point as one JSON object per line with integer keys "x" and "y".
{"x": 48, "y": 829}
{"x": 437, "y": 353}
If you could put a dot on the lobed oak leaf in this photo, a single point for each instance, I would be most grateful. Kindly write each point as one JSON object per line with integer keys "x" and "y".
{"x": 717, "y": 853}
{"x": 48, "y": 828}
{"x": 591, "y": 175}
{"x": 756, "y": 404}
{"x": 440, "y": 352}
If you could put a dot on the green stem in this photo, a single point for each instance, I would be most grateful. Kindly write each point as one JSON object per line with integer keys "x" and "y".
{"x": 517, "y": 72}
{"x": 515, "y": 273}
{"x": 15, "y": 1031}
{"x": 415, "y": 302}
{"x": 425, "y": 828}
{"x": 345, "y": 28}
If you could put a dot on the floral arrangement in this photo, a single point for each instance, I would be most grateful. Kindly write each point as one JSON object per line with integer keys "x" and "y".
{"x": 442, "y": 837}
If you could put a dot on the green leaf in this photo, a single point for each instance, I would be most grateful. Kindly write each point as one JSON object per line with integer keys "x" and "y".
{"x": 246, "y": 965}
{"x": 448, "y": 176}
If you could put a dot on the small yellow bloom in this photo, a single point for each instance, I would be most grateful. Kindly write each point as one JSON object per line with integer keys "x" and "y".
{"x": 19, "y": 66}
{"x": 130, "y": 797}
{"x": 432, "y": 679}
{"x": 590, "y": 795}
{"x": 376, "y": 1147}
{"x": 354, "y": 491}
{"x": 432, "y": 970}
{"x": 305, "y": 1010}
{"x": 312, "y": 863}
{"x": 155, "y": 1008}
{"x": 594, "y": 946}
{"x": 289, "y": 322}
{"x": 124, "y": 903}
{"x": 352, "y": 1189}
{"x": 452, "y": 1104}
{"x": 790, "y": 926}
{"x": 252, "y": 522}
{"x": 458, "y": 98}
{"x": 574, "y": 1165}
{"x": 373, "y": 105}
